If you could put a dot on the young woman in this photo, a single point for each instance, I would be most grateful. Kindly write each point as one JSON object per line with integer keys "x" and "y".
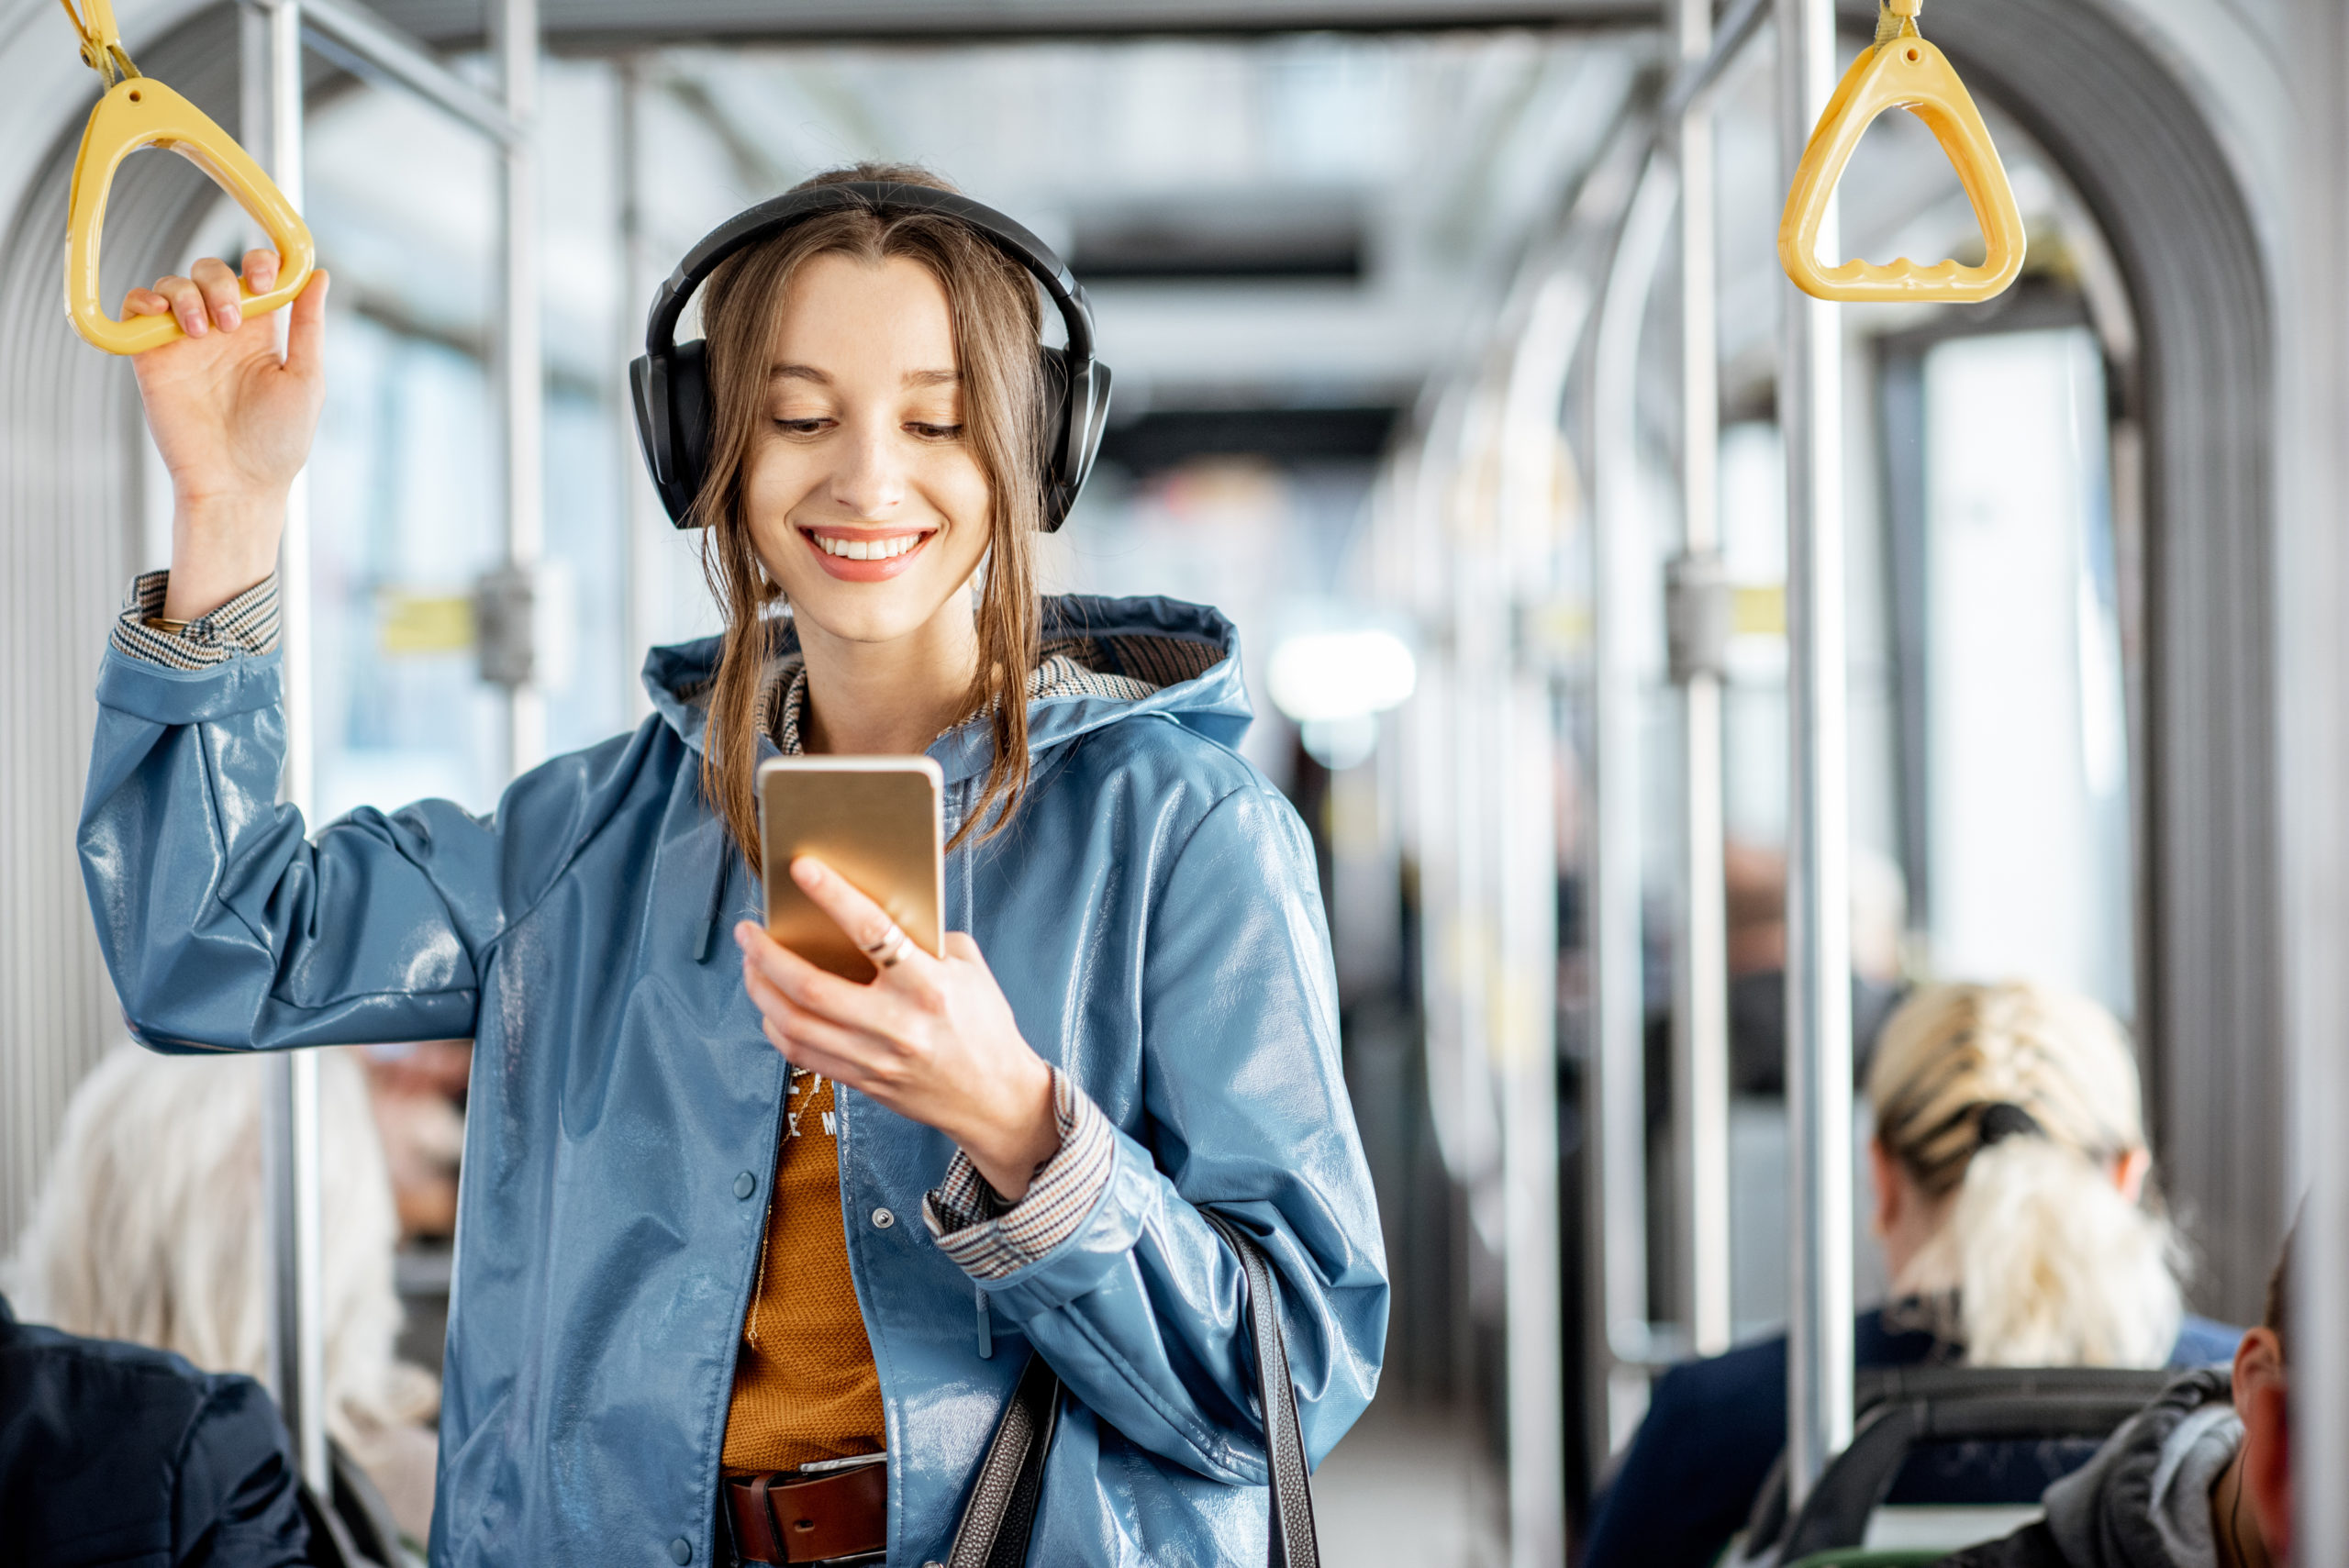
{"x": 723, "y": 1219}
{"x": 2011, "y": 1166}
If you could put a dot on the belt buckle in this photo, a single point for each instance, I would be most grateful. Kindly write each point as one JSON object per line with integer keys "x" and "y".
{"x": 763, "y": 1489}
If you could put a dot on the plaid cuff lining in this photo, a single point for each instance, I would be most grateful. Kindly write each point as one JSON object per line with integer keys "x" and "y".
{"x": 245, "y": 624}
{"x": 993, "y": 1240}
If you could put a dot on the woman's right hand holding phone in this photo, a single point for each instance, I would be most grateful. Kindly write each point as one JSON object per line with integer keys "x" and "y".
{"x": 233, "y": 421}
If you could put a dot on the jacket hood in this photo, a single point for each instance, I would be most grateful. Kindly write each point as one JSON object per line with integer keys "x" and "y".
{"x": 1190, "y": 653}
{"x": 2144, "y": 1501}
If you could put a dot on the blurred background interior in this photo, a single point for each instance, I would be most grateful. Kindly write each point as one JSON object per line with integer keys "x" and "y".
{"x": 1395, "y": 312}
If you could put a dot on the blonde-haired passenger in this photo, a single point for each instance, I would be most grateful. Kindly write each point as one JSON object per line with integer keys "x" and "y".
{"x": 148, "y": 1228}
{"x": 2011, "y": 1177}
{"x": 2011, "y": 1164}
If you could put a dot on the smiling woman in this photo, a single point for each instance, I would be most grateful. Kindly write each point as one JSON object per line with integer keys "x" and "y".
{"x": 875, "y": 381}
{"x": 689, "y": 1321}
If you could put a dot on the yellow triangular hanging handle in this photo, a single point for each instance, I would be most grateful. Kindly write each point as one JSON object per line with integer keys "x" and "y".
{"x": 139, "y": 111}
{"x": 1902, "y": 71}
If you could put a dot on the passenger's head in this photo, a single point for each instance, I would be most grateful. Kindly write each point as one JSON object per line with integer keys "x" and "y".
{"x": 2011, "y": 1163}
{"x": 149, "y": 1227}
{"x": 2262, "y": 1400}
{"x": 876, "y": 378}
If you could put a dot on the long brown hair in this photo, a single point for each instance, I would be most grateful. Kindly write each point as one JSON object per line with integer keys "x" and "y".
{"x": 991, "y": 303}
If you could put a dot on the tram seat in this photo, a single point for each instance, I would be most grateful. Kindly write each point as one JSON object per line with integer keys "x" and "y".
{"x": 1943, "y": 1457}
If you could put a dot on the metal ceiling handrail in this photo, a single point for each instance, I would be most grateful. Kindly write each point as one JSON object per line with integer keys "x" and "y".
{"x": 354, "y": 36}
{"x": 1734, "y": 31}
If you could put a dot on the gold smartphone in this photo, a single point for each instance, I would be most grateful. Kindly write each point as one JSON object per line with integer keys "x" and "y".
{"x": 873, "y": 820}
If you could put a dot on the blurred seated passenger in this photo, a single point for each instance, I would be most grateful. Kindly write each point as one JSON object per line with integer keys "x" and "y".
{"x": 2011, "y": 1173}
{"x": 418, "y": 1090}
{"x": 119, "y": 1454}
{"x": 1757, "y": 910}
{"x": 150, "y": 1229}
{"x": 2202, "y": 1478}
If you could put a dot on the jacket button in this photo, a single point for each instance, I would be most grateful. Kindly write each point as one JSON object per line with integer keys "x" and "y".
{"x": 883, "y": 1219}
{"x": 681, "y": 1552}
{"x": 745, "y": 1184}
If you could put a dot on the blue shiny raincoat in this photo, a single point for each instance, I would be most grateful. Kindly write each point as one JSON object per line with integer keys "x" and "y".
{"x": 1152, "y": 914}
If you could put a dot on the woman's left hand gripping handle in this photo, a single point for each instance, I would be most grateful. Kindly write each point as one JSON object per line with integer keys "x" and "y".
{"x": 233, "y": 417}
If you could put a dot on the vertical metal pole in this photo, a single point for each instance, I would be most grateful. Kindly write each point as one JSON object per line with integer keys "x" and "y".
{"x": 521, "y": 375}
{"x": 1521, "y": 576}
{"x": 2312, "y": 659}
{"x": 1529, "y": 1130}
{"x": 646, "y": 523}
{"x": 270, "y": 47}
{"x": 1700, "y": 1021}
{"x": 1620, "y": 582}
{"x": 1819, "y": 968}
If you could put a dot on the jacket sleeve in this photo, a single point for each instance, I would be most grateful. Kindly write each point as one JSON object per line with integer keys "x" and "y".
{"x": 226, "y": 929}
{"x": 236, "y": 1493}
{"x": 1139, "y": 1309}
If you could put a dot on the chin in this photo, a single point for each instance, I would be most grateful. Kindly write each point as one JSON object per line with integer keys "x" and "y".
{"x": 865, "y": 621}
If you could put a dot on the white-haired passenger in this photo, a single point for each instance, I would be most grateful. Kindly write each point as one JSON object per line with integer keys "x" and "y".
{"x": 150, "y": 1229}
{"x": 2013, "y": 1204}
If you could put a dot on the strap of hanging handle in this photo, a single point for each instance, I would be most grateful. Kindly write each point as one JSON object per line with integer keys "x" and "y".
{"x": 1894, "y": 17}
{"x": 1001, "y": 1514}
{"x": 101, "y": 39}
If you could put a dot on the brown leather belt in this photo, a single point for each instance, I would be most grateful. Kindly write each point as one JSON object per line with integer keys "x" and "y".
{"x": 787, "y": 1519}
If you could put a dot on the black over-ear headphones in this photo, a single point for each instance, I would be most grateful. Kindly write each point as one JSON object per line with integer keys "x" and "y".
{"x": 670, "y": 383}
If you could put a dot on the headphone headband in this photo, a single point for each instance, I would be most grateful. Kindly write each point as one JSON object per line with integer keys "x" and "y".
{"x": 671, "y": 385}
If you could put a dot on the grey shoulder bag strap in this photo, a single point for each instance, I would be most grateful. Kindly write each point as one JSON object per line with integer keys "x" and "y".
{"x": 1002, "y": 1510}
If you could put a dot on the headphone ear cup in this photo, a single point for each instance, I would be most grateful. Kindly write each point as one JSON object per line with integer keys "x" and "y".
{"x": 691, "y": 416}
{"x": 1078, "y": 398}
{"x": 1057, "y": 413}
{"x": 671, "y": 395}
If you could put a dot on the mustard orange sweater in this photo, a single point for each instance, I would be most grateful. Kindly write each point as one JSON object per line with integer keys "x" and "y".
{"x": 805, "y": 1385}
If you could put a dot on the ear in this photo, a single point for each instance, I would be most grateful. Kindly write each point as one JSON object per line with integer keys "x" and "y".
{"x": 2128, "y": 1173}
{"x": 1889, "y": 1186}
{"x": 2260, "y": 1399}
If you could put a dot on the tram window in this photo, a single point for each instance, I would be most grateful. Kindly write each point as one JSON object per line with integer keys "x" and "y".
{"x": 2025, "y": 860}
{"x": 404, "y": 497}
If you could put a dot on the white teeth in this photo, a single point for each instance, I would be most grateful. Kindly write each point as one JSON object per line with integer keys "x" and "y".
{"x": 867, "y": 548}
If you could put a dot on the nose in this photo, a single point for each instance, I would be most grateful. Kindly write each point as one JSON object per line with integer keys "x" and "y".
{"x": 870, "y": 478}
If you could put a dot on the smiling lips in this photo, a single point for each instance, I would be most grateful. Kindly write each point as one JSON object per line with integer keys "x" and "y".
{"x": 866, "y": 555}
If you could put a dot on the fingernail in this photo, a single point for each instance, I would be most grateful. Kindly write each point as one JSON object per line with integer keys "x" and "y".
{"x": 742, "y": 929}
{"x": 231, "y": 317}
{"x": 807, "y": 872}
{"x": 192, "y": 323}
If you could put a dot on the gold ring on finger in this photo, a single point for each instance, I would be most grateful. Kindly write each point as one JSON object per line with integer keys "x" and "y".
{"x": 889, "y": 949}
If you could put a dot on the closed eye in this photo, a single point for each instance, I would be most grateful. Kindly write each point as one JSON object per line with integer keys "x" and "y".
{"x": 802, "y": 427}
{"x": 935, "y": 432}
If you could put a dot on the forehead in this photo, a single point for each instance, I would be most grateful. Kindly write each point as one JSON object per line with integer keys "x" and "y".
{"x": 853, "y": 319}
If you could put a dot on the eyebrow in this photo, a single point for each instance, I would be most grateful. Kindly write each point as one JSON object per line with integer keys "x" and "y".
{"x": 913, "y": 378}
